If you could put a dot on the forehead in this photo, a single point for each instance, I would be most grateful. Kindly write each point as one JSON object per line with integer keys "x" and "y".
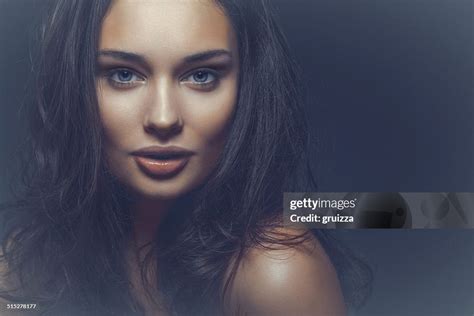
{"x": 163, "y": 27}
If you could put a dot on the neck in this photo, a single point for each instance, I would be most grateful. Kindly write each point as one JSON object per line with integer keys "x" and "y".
{"x": 147, "y": 216}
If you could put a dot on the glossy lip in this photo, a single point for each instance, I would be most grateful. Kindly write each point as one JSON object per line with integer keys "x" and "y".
{"x": 162, "y": 162}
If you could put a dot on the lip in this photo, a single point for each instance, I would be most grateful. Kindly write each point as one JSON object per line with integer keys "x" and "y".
{"x": 162, "y": 162}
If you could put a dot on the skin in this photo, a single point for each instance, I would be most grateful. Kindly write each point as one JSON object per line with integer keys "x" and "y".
{"x": 162, "y": 103}
{"x": 279, "y": 280}
{"x": 150, "y": 94}
{"x": 156, "y": 97}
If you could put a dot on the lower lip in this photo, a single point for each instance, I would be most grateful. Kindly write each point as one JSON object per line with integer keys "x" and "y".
{"x": 161, "y": 168}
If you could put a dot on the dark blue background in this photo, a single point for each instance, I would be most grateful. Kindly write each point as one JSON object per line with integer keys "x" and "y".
{"x": 390, "y": 91}
{"x": 390, "y": 101}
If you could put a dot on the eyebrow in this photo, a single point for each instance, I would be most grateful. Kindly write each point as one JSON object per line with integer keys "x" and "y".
{"x": 191, "y": 59}
{"x": 125, "y": 56}
{"x": 206, "y": 55}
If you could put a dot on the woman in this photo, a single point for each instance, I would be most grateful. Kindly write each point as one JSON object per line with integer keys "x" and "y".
{"x": 163, "y": 135}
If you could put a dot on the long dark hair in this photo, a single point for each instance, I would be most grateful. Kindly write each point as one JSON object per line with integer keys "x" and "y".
{"x": 64, "y": 236}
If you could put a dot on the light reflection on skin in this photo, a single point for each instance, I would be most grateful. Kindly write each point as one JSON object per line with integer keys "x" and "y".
{"x": 168, "y": 76}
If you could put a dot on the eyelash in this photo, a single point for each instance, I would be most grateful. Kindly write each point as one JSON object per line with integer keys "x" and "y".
{"x": 122, "y": 84}
{"x": 116, "y": 82}
{"x": 203, "y": 85}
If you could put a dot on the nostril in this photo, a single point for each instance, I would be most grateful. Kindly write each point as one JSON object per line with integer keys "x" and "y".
{"x": 163, "y": 130}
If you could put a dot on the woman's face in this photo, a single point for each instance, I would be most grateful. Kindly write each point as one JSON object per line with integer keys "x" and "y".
{"x": 167, "y": 76}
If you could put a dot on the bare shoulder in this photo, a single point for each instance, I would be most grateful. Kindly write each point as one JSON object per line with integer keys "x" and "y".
{"x": 287, "y": 280}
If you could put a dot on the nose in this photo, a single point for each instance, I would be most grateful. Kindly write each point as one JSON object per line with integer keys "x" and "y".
{"x": 163, "y": 118}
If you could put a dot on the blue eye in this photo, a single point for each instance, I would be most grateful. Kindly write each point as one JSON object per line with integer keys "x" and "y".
{"x": 201, "y": 77}
{"x": 123, "y": 77}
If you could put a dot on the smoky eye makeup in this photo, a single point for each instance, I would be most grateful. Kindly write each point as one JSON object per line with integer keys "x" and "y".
{"x": 207, "y": 76}
{"x": 203, "y": 76}
{"x": 123, "y": 78}
{"x": 119, "y": 76}
{"x": 202, "y": 79}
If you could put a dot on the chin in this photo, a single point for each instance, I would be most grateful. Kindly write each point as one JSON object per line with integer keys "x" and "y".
{"x": 160, "y": 194}
{"x": 152, "y": 189}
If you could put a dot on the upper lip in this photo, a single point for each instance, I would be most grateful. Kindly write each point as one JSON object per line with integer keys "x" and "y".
{"x": 161, "y": 152}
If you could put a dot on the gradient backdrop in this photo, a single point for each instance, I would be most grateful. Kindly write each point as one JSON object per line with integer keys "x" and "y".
{"x": 389, "y": 94}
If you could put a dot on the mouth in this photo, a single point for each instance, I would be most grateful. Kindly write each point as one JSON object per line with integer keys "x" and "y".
{"x": 162, "y": 162}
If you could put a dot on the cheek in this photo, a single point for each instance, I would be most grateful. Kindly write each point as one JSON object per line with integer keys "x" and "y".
{"x": 209, "y": 116}
{"x": 119, "y": 114}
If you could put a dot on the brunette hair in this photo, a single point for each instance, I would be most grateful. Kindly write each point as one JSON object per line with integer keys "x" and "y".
{"x": 64, "y": 236}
